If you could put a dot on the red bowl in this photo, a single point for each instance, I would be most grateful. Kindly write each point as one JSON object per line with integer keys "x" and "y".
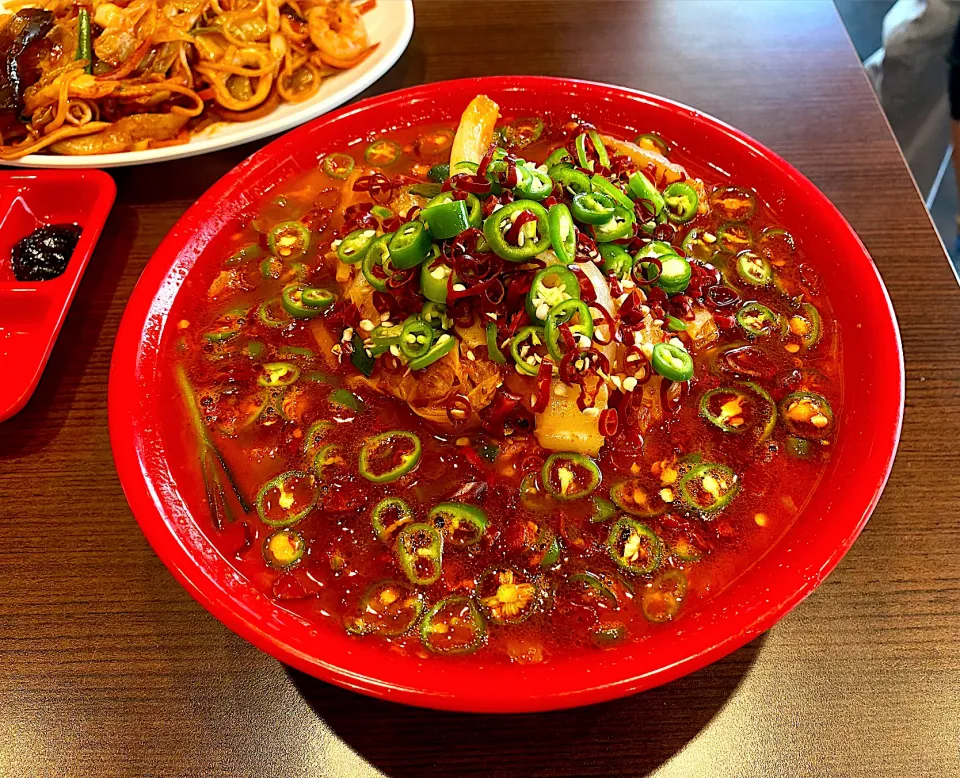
{"x": 32, "y": 312}
{"x": 157, "y": 483}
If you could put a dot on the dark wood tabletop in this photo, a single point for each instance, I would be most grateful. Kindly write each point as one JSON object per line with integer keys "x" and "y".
{"x": 108, "y": 668}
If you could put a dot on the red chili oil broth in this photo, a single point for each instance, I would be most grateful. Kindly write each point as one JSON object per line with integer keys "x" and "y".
{"x": 344, "y": 557}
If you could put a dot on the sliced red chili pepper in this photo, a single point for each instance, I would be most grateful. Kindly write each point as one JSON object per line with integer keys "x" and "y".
{"x": 544, "y": 377}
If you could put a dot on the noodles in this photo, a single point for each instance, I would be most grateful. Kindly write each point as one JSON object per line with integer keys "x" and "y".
{"x": 202, "y": 60}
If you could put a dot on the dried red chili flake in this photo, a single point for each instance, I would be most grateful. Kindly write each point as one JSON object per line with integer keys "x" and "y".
{"x": 469, "y": 182}
{"x": 631, "y": 313}
{"x": 587, "y": 291}
{"x": 489, "y": 204}
{"x": 461, "y": 312}
{"x": 721, "y": 297}
{"x": 725, "y": 322}
{"x": 605, "y": 318}
{"x": 614, "y": 283}
{"x": 636, "y": 365}
{"x": 672, "y": 394}
{"x": 550, "y": 201}
{"x": 586, "y": 248}
{"x": 544, "y": 378}
{"x": 503, "y": 405}
{"x": 577, "y": 365}
{"x": 681, "y": 307}
{"x": 317, "y": 219}
{"x": 392, "y": 224}
{"x": 459, "y": 409}
{"x": 665, "y": 232}
{"x": 513, "y": 234}
{"x": 412, "y": 213}
{"x": 609, "y": 422}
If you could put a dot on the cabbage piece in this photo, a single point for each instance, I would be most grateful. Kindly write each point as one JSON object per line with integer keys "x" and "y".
{"x": 564, "y": 427}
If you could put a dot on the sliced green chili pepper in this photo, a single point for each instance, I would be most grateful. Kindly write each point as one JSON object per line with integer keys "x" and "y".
{"x": 84, "y": 39}
{"x": 754, "y": 269}
{"x": 776, "y": 244}
{"x": 362, "y": 357}
{"x": 382, "y": 153}
{"x": 533, "y": 184}
{"x": 533, "y": 237}
{"x": 807, "y": 415}
{"x": 734, "y": 202}
{"x": 330, "y": 462}
{"x": 734, "y": 237}
{"x": 709, "y": 487}
{"x": 550, "y": 287}
{"x": 338, "y": 165}
{"x": 294, "y": 301}
{"x": 680, "y": 200}
{"x": 672, "y": 362}
{"x": 603, "y": 159}
{"x": 435, "y": 314}
{"x": 382, "y": 212}
{"x": 287, "y": 499}
{"x": 440, "y": 348}
{"x": 474, "y": 207}
{"x": 522, "y": 132}
{"x": 634, "y": 547}
{"x": 389, "y": 456}
{"x": 696, "y": 245}
{"x": 288, "y": 240}
{"x": 608, "y": 633}
{"x": 600, "y": 185}
{"x": 493, "y": 347}
{"x": 223, "y": 332}
{"x": 555, "y": 157}
{"x": 564, "y": 313}
{"x": 799, "y": 448}
{"x": 563, "y": 234}
{"x": 527, "y": 363}
{"x": 269, "y": 315}
{"x": 655, "y": 249}
{"x": 316, "y": 437}
{"x": 572, "y": 180}
{"x": 416, "y": 337}
{"x": 433, "y": 281}
{"x": 387, "y": 608}
{"x": 758, "y": 321}
{"x": 278, "y": 374}
{"x": 419, "y": 550}
{"x": 507, "y": 595}
{"x": 738, "y": 409}
{"x": 654, "y": 141}
{"x": 662, "y": 599}
{"x": 592, "y": 207}
{"x": 547, "y": 548}
{"x": 409, "y": 245}
{"x": 426, "y": 189}
{"x": 603, "y": 510}
{"x": 439, "y": 173}
{"x": 642, "y": 188}
{"x": 685, "y": 551}
{"x": 677, "y": 325}
{"x": 570, "y": 476}
{"x": 295, "y": 352}
{"x": 462, "y": 525}
{"x": 619, "y": 226}
{"x": 344, "y": 398}
{"x": 453, "y": 626}
{"x": 591, "y": 589}
{"x": 675, "y": 273}
{"x": 806, "y": 325}
{"x": 637, "y": 499}
{"x": 283, "y": 549}
{"x": 390, "y": 515}
{"x": 446, "y": 220}
{"x": 377, "y": 257}
{"x": 616, "y": 260}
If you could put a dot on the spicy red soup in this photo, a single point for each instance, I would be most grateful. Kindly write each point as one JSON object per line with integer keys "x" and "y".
{"x": 515, "y": 387}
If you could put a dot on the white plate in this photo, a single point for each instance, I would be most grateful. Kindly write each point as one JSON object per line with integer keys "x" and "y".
{"x": 390, "y": 24}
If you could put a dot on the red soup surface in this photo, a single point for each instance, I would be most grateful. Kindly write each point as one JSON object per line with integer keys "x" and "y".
{"x": 543, "y": 406}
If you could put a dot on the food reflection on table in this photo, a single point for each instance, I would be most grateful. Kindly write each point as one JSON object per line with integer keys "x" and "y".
{"x": 518, "y": 388}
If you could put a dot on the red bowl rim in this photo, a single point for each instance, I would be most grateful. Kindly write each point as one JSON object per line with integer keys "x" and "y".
{"x": 146, "y": 498}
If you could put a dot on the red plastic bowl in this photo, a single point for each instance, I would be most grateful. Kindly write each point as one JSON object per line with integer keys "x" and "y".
{"x": 31, "y": 313}
{"x": 867, "y": 433}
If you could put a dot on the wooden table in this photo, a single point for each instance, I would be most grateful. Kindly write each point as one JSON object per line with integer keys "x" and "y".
{"x": 108, "y": 668}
